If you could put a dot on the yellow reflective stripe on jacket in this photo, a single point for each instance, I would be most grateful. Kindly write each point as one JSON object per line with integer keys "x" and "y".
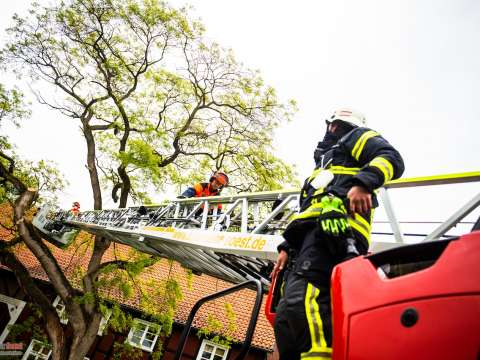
{"x": 361, "y": 225}
{"x": 314, "y": 210}
{"x": 319, "y": 349}
{"x": 335, "y": 169}
{"x": 344, "y": 170}
{"x": 306, "y": 214}
{"x": 384, "y": 166}
{"x": 360, "y": 144}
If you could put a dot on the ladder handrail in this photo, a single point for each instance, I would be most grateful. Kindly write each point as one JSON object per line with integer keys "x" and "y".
{"x": 451, "y": 178}
{"x": 228, "y": 244}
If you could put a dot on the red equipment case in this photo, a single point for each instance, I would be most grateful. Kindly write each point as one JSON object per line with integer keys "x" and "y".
{"x": 428, "y": 306}
{"x": 430, "y": 309}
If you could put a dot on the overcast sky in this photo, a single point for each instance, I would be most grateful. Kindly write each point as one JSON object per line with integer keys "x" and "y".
{"x": 411, "y": 66}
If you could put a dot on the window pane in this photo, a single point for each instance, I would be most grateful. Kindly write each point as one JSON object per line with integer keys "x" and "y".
{"x": 147, "y": 343}
{"x": 209, "y": 348}
{"x": 138, "y": 333}
{"x": 220, "y": 351}
{"x": 140, "y": 327}
{"x": 218, "y": 357}
{"x": 135, "y": 339}
{"x": 149, "y": 336}
{"x": 207, "y": 355}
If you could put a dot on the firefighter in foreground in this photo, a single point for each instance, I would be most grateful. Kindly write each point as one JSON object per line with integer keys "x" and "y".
{"x": 336, "y": 208}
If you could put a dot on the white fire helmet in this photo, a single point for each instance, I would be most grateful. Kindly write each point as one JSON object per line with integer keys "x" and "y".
{"x": 349, "y": 116}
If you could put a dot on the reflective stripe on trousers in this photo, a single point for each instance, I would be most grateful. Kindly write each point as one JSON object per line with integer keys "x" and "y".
{"x": 319, "y": 349}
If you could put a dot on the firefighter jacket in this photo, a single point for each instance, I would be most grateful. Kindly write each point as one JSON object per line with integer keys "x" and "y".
{"x": 361, "y": 157}
{"x": 200, "y": 190}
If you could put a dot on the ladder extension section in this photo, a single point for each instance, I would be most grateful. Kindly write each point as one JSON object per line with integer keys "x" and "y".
{"x": 234, "y": 238}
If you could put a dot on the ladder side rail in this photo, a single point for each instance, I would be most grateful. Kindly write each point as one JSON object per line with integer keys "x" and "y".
{"x": 244, "y": 220}
{"x": 132, "y": 220}
{"x": 256, "y": 214}
{"x": 215, "y": 213}
{"x": 159, "y": 213}
{"x": 192, "y": 213}
{"x": 454, "y": 219}
{"x": 206, "y": 209}
{"x": 254, "y": 196}
{"x": 177, "y": 212}
{"x": 218, "y": 223}
{"x": 274, "y": 213}
{"x": 237, "y": 216}
{"x": 118, "y": 217}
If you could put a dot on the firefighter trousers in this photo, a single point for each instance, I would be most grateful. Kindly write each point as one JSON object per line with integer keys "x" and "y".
{"x": 303, "y": 325}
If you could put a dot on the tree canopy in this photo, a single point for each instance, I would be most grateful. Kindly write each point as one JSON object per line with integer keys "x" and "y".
{"x": 157, "y": 104}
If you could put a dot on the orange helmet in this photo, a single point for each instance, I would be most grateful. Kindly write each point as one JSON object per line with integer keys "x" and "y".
{"x": 221, "y": 177}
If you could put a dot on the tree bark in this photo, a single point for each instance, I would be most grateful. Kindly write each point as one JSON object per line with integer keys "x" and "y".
{"x": 91, "y": 165}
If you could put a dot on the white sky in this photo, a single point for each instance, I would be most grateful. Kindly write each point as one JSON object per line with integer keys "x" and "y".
{"x": 411, "y": 66}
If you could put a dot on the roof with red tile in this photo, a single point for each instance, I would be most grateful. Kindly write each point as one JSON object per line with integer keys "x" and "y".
{"x": 242, "y": 302}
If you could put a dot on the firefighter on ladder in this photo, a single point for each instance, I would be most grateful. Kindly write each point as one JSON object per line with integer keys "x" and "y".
{"x": 214, "y": 187}
{"x": 75, "y": 208}
{"x": 336, "y": 208}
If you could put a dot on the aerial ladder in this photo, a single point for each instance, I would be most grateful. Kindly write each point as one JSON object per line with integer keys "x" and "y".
{"x": 239, "y": 245}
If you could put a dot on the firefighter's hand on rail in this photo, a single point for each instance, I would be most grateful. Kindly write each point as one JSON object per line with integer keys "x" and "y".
{"x": 360, "y": 200}
{"x": 280, "y": 264}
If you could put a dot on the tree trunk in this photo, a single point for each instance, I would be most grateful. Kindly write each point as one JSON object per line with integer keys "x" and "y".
{"x": 126, "y": 187}
{"x": 91, "y": 165}
{"x": 81, "y": 343}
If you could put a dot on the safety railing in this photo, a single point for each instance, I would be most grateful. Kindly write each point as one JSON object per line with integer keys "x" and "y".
{"x": 233, "y": 237}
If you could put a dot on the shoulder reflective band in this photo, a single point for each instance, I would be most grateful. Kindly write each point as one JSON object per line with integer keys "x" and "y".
{"x": 360, "y": 144}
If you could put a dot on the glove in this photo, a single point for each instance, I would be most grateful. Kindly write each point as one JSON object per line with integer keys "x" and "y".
{"x": 333, "y": 220}
{"x": 333, "y": 224}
